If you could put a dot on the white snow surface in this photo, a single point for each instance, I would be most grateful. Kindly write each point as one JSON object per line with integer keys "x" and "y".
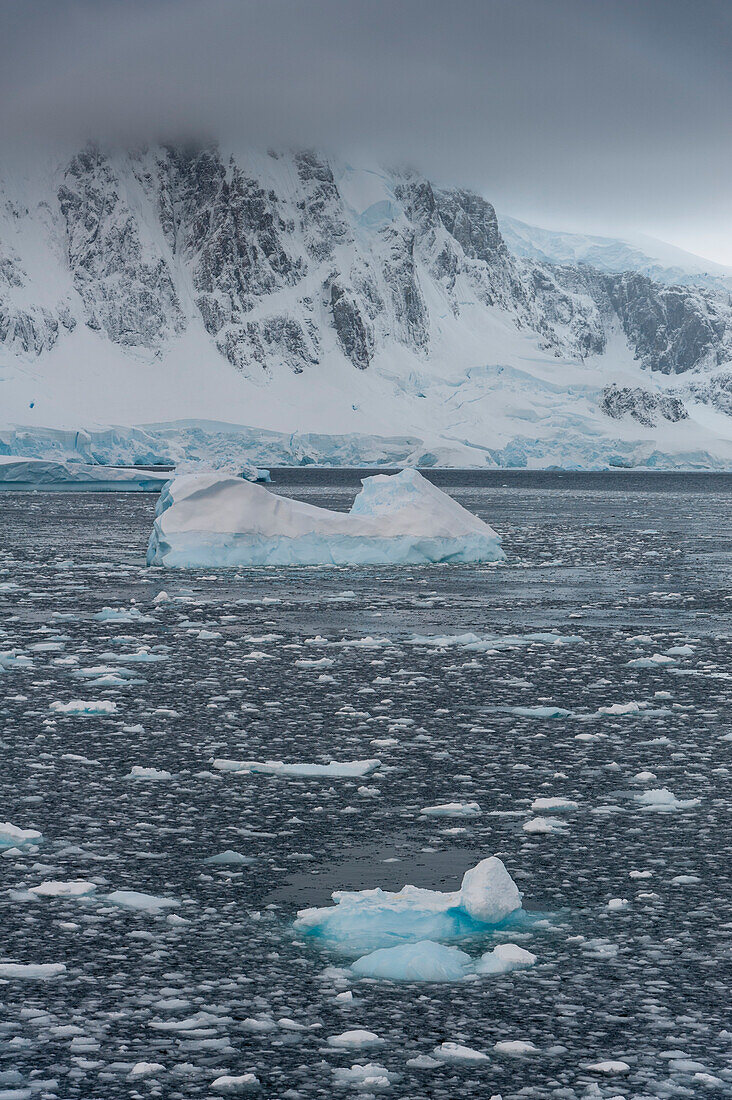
{"x": 209, "y": 521}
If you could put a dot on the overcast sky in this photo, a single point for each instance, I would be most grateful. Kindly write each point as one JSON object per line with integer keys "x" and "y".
{"x": 599, "y": 115}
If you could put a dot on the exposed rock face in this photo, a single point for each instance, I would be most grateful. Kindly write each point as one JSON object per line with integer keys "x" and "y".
{"x": 354, "y": 335}
{"x": 125, "y": 287}
{"x": 646, "y": 407}
{"x": 673, "y": 329}
{"x": 274, "y": 263}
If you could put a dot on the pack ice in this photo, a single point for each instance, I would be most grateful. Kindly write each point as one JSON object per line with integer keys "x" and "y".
{"x": 213, "y": 520}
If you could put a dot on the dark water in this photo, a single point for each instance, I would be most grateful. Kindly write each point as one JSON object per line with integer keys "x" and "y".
{"x": 632, "y": 564}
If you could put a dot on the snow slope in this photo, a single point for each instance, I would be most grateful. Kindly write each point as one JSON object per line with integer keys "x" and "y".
{"x": 196, "y": 303}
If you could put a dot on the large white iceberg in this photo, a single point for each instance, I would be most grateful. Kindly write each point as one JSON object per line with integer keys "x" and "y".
{"x": 213, "y": 520}
{"x": 366, "y": 920}
{"x": 24, "y": 473}
{"x": 48, "y": 474}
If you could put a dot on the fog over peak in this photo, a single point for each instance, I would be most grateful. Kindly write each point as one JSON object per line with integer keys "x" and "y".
{"x": 608, "y": 118}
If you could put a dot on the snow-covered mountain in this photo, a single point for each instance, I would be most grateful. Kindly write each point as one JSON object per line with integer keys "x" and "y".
{"x": 665, "y": 263}
{"x": 289, "y": 307}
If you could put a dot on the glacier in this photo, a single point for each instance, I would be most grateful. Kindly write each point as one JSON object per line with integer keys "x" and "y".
{"x": 209, "y": 520}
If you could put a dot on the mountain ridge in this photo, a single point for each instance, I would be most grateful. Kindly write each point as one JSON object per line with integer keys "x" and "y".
{"x": 302, "y": 294}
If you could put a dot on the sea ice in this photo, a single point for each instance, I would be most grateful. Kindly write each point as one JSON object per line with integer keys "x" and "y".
{"x": 85, "y": 706}
{"x": 424, "y": 961}
{"x": 355, "y": 1039}
{"x": 368, "y": 1078}
{"x": 364, "y": 920}
{"x": 13, "y": 837}
{"x": 452, "y": 809}
{"x": 229, "y": 857}
{"x": 213, "y": 520}
{"x": 31, "y": 971}
{"x": 338, "y": 770}
{"x": 77, "y": 888}
{"x": 245, "y": 1082}
{"x": 504, "y": 958}
{"x": 133, "y": 899}
{"x": 138, "y": 772}
{"x": 456, "y": 1052}
{"x": 663, "y": 800}
{"x": 553, "y": 803}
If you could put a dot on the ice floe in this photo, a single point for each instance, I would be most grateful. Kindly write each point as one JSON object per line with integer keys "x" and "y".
{"x": 76, "y": 888}
{"x": 31, "y": 971}
{"x": 214, "y": 520}
{"x": 85, "y": 707}
{"x": 365, "y": 920}
{"x": 429, "y": 961}
{"x": 347, "y": 769}
{"x": 663, "y": 800}
{"x": 11, "y": 836}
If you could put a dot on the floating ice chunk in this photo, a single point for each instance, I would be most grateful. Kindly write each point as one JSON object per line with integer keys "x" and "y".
{"x": 13, "y": 837}
{"x": 424, "y": 961}
{"x": 616, "y": 904}
{"x": 344, "y": 769}
{"x": 355, "y": 1039}
{"x": 31, "y": 971}
{"x": 245, "y": 1082}
{"x": 664, "y": 800}
{"x": 539, "y": 712}
{"x": 610, "y": 1068}
{"x": 134, "y": 899}
{"x": 85, "y": 706}
{"x": 456, "y": 1052}
{"x": 365, "y": 920}
{"x": 516, "y": 1047}
{"x": 553, "y": 803}
{"x": 544, "y": 825}
{"x": 214, "y": 520}
{"x": 622, "y": 708}
{"x": 76, "y": 888}
{"x": 122, "y": 615}
{"x": 49, "y": 474}
{"x": 488, "y": 893}
{"x": 423, "y": 1061}
{"x": 146, "y": 1069}
{"x": 138, "y": 772}
{"x": 370, "y": 1077}
{"x": 656, "y": 661}
{"x": 452, "y": 809}
{"x": 504, "y": 958}
{"x": 229, "y": 857}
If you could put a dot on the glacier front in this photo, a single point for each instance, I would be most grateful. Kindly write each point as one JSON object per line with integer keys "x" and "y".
{"x": 207, "y": 519}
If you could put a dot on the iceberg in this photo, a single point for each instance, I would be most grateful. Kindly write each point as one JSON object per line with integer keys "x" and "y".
{"x": 364, "y": 921}
{"x": 209, "y": 520}
{"x": 11, "y": 836}
{"x": 47, "y": 474}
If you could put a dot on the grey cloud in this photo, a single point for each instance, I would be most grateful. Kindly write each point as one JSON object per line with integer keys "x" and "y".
{"x": 604, "y": 113}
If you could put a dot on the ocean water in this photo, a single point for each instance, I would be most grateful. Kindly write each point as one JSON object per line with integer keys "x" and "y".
{"x": 619, "y": 567}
